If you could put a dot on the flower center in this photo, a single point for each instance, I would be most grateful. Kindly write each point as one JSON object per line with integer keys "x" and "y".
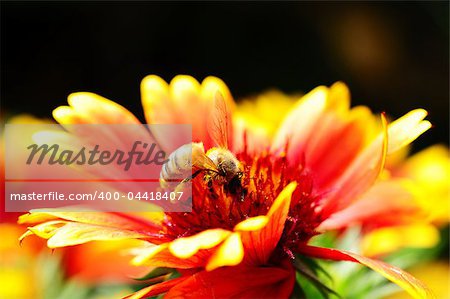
{"x": 219, "y": 205}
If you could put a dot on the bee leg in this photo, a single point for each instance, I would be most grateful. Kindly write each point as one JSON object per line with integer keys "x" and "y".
{"x": 191, "y": 177}
{"x": 182, "y": 185}
{"x": 196, "y": 173}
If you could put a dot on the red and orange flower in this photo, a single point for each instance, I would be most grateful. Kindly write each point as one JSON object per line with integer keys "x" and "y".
{"x": 322, "y": 158}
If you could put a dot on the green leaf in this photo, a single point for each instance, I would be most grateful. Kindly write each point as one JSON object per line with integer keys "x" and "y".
{"x": 305, "y": 270}
{"x": 157, "y": 272}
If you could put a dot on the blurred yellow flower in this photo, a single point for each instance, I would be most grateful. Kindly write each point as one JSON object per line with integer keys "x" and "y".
{"x": 17, "y": 265}
{"x": 258, "y": 115}
{"x": 426, "y": 176}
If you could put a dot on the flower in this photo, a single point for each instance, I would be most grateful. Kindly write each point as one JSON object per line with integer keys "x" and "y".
{"x": 322, "y": 158}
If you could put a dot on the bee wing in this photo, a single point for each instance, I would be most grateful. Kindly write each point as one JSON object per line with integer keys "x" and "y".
{"x": 219, "y": 127}
{"x": 200, "y": 160}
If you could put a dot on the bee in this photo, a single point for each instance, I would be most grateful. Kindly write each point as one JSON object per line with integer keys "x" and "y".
{"x": 218, "y": 163}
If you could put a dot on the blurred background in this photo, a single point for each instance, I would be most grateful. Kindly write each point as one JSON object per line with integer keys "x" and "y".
{"x": 394, "y": 56}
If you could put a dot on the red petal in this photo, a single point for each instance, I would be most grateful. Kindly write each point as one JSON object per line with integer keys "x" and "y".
{"x": 241, "y": 281}
{"x": 359, "y": 176}
{"x": 156, "y": 289}
{"x": 259, "y": 244}
{"x": 403, "y": 279}
{"x": 383, "y": 199}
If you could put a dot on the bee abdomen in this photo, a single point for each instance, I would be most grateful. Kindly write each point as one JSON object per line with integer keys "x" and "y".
{"x": 178, "y": 166}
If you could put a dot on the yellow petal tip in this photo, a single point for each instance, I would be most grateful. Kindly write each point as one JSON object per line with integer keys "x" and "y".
{"x": 252, "y": 224}
{"x": 230, "y": 253}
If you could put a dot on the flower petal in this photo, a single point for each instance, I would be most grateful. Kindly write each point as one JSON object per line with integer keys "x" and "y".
{"x": 187, "y": 252}
{"x": 409, "y": 283}
{"x": 156, "y": 289}
{"x": 160, "y": 256}
{"x": 181, "y": 102}
{"x": 237, "y": 282}
{"x": 44, "y": 230}
{"x": 156, "y": 102}
{"x": 252, "y": 224}
{"x": 259, "y": 244}
{"x": 188, "y": 246}
{"x": 78, "y": 233}
{"x": 359, "y": 176}
{"x": 118, "y": 220}
{"x": 299, "y": 123}
{"x": 385, "y": 197}
{"x": 255, "y": 120}
{"x": 89, "y": 107}
{"x": 230, "y": 253}
{"x": 339, "y": 98}
{"x": 406, "y": 129}
{"x": 337, "y": 140}
{"x": 60, "y": 231}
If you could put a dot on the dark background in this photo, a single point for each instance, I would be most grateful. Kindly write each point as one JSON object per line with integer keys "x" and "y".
{"x": 394, "y": 56}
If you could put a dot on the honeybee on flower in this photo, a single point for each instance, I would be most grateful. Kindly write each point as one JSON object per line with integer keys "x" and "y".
{"x": 217, "y": 164}
{"x": 322, "y": 158}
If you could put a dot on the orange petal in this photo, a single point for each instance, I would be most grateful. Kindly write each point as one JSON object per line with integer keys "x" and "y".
{"x": 259, "y": 244}
{"x": 403, "y": 279}
{"x": 237, "y": 282}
